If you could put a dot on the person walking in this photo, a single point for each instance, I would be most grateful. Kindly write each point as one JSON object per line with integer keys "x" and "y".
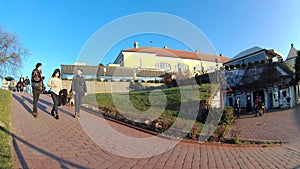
{"x": 237, "y": 107}
{"x": 256, "y": 107}
{"x": 55, "y": 85}
{"x": 27, "y": 84}
{"x": 79, "y": 90}
{"x": 36, "y": 83}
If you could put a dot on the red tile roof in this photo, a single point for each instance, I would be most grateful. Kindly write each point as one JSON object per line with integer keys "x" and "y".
{"x": 179, "y": 54}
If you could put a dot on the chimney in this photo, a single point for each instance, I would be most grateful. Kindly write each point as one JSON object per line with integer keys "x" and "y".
{"x": 292, "y": 45}
{"x": 165, "y": 47}
{"x": 196, "y": 51}
{"x": 136, "y": 44}
{"x": 221, "y": 54}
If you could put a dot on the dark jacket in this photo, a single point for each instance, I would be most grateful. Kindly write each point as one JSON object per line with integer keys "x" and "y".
{"x": 27, "y": 82}
{"x": 36, "y": 79}
{"x": 79, "y": 85}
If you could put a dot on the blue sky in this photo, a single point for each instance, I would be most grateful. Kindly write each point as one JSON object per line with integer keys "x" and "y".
{"x": 55, "y": 31}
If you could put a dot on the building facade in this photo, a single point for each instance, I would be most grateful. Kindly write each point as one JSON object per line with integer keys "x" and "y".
{"x": 291, "y": 57}
{"x": 254, "y": 55}
{"x": 169, "y": 60}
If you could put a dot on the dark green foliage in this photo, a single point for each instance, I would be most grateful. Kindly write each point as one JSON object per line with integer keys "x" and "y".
{"x": 227, "y": 117}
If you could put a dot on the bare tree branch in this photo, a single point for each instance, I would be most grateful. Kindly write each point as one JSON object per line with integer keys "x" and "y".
{"x": 11, "y": 54}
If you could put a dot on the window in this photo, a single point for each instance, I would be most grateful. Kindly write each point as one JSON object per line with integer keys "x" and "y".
{"x": 182, "y": 67}
{"x": 199, "y": 68}
{"x": 163, "y": 66}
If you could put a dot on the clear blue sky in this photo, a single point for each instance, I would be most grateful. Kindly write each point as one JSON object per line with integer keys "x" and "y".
{"x": 55, "y": 31}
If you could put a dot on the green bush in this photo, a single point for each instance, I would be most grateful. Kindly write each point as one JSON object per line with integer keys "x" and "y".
{"x": 227, "y": 117}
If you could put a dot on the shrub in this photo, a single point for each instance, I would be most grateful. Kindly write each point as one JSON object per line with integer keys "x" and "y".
{"x": 227, "y": 117}
{"x": 235, "y": 135}
{"x": 263, "y": 61}
{"x": 244, "y": 65}
{"x": 256, "y": 62}
{"x": 150, "y": 81}
{"x": 237, "y": 65}
{"x": 231, "y": 66}
{"x": 226, "y": 67}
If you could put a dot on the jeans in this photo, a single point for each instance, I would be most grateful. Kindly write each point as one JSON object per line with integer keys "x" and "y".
{"x": 36, "y": 94}
{"x": 28, "y": 89}
{"x": 78, "y": 101}
{"x": 55, "y": 102}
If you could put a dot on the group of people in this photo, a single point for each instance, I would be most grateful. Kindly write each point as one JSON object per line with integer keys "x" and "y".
{"x": 23, "y": 85}
{"x": 78, "y": 88}
{"x": 259, "y": 108}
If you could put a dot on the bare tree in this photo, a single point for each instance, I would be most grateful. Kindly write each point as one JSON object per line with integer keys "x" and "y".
{"x": 11, "y": 54}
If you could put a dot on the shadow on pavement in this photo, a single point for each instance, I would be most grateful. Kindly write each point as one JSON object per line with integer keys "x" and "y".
{"x": 22, "y": 102}
{"x": 16, "y": 138}
{"x": 60, "y": 109}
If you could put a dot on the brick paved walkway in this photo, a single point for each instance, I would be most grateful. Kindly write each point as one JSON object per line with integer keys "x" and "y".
{"x": 49, "y": 143}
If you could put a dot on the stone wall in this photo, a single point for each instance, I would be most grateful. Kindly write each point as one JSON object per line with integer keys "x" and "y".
{"x": 108, "y": 87}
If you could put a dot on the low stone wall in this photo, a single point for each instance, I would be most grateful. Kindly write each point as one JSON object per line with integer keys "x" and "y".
{"x": 108, "y": 87}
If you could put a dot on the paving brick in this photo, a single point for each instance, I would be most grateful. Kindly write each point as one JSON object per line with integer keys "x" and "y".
{"x": 45, "y": 141}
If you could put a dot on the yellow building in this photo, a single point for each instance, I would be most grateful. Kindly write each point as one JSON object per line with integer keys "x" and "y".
{"x": 169, "y": 60}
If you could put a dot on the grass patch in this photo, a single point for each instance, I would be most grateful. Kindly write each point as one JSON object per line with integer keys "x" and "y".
{"x": 160, "y": 106}
{"x": 5, "y": 106}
